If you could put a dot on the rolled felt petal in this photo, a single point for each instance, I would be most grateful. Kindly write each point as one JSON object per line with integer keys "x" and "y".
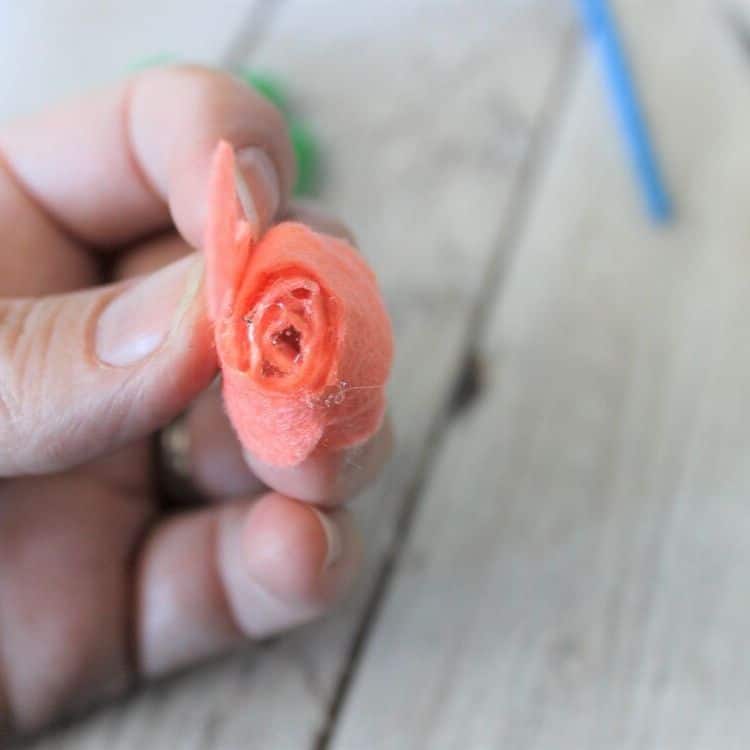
{"x": 303, "y": 337}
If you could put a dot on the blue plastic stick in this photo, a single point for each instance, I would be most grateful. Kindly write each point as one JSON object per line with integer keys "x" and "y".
{"x": 603, "y": 31}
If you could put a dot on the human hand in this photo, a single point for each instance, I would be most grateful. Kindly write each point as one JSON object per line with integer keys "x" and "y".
{"x": 99, "y": 586}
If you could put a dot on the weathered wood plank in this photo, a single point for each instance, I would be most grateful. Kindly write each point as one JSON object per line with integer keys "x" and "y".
{"x": 53, "y": 50}
{"x": 578, "y": 573}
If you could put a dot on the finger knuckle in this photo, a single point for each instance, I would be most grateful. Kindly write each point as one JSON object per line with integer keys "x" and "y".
{"x": 13, "y": 362}
{"x": 26, "y": 332}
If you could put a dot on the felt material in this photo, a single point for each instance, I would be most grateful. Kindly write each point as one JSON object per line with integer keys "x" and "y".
{"x": 303, "y": 337}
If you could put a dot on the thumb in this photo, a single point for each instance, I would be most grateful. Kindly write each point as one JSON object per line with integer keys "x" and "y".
{"x": 83, "y": 373}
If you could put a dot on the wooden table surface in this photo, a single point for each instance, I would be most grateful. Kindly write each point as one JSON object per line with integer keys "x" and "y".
{"x": 558, "y": 555}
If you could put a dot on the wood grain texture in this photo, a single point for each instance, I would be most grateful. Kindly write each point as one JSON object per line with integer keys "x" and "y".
{"x": 577, "y": 577}
{"x": 52, "y": 50}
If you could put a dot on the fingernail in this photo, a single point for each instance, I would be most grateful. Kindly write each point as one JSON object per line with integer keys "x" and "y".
{"x": 257, "y": 186}
{"x": 138, "y": 320}
{"x": 333, "y": 539}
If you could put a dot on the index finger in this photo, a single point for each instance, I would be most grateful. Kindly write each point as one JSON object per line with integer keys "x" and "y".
{"x": 112, "y": 167}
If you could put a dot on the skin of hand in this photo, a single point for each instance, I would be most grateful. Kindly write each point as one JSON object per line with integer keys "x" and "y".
{"x": 99, "y": 587}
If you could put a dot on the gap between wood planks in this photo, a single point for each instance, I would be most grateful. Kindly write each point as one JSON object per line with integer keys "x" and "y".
{"x": 468, "y": 380}
{"x": 250, "y": 34}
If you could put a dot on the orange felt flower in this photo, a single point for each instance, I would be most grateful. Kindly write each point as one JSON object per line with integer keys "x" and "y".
{"x": 303, "y": 337}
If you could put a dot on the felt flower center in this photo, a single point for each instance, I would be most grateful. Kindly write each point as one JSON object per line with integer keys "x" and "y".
{"x": 289, "y": 333}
